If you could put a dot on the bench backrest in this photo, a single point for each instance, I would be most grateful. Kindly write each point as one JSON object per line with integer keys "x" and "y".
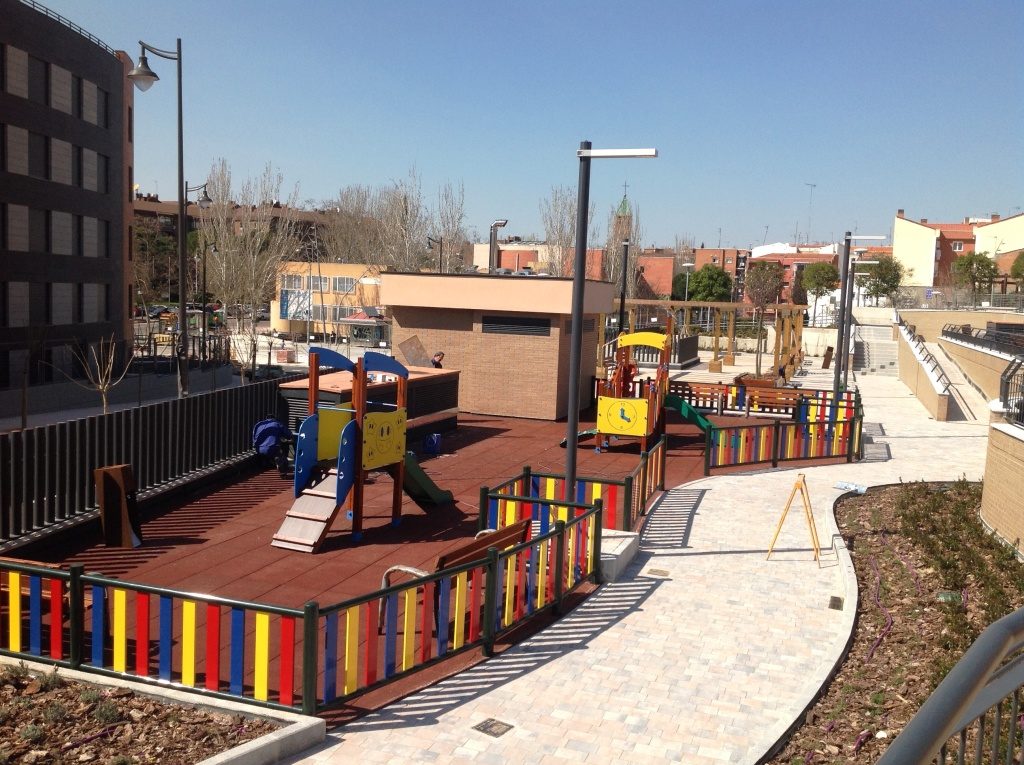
{"x": 477, "y": 548}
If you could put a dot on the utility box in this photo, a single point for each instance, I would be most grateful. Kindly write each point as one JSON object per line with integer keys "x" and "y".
{"x": 119, "y": 515}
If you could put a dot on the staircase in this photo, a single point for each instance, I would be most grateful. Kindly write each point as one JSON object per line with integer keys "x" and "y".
{"x": 874, "y": 350}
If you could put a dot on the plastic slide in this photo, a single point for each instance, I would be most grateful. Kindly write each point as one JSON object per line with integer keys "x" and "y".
{"x": 689, "y": 414}
{"x": 419, "y": 486}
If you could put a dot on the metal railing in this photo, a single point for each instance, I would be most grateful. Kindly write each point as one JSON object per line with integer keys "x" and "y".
{"x": 69, "y": 24}
{"x": 926, "y": 357}
{"x": 974, "y": 714}
{"x": 46, "y": 472}
{"x": 1011, "y": 391}
{"x": 1004, "y": 342}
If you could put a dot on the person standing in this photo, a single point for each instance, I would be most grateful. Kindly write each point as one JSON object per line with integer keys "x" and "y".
{"x": 438, "y": 358}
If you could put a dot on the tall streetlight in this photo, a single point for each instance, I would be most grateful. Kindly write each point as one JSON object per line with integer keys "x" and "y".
{"x": 841, "y": 371}
{"x": 492, "y": 260}
{"x": 440, "y": 251}
{"x": 622, "y": 292}
{"x": 689, "y": 268}
{"x": 144, "y": 77}
{"x": 585, "y": 154}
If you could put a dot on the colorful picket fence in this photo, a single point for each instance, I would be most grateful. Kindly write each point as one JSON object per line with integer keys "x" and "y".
{"x": 801, "y": 404}
{"x": 218, "y": 646}
{"x": 780, "y": 441}
{"x": 373, "y": 639}
{"x": 623, "y": 500}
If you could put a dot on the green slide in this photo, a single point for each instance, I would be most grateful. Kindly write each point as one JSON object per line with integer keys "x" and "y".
{"x": 420, "y": 487}
{"x": 689, "y": 414}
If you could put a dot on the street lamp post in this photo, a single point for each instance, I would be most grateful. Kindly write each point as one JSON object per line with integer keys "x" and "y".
{"x": 688, "y": 267}
{"x": 492, "y": 261}
{"x": 841, "y": 373}
{"x": 144, "y": 77}
{"x": 440, "y": 251}
{"x": 585, "y": 154}
{"x": 622, "y": 292}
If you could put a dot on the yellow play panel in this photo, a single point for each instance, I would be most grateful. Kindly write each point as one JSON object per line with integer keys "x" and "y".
{"x": 622, "y": 416}
{"x": 331, "y": 423}
{"x": 383, "y": 438}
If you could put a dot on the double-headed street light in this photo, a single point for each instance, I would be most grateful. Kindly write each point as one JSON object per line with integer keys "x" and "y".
{"x": 144, "y": 77}
{"x": 841, "y": 373}
{"x": 431, "y": 241}
{"x": 688, "y": 267}
{"x": 585, "y": 154}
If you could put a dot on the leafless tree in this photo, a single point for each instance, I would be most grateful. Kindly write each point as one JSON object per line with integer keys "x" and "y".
{"x": 100, "y": 365}
{"x": 251, "y": 233}
{"x": 762, "y": 286}
{"x": 403, "y": 222}
{"x": 558, "y": 216}
{"x": 349, "y": 232}
{"x": 449, "y": 225}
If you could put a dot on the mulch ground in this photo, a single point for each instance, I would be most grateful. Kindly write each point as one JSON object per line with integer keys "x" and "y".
{"x": 930, "y": 580}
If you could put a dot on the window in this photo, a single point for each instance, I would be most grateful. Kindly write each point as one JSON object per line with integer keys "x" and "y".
{"x": 344, "y": 283}
{"x": 342, "y": 312}
{"x": 76, "y": 96}
{"x": 319, "y": 312}
{"x": 958, "y": 246}
{"x": 38, "y": 230}
{"x": 38, "y": 81}
{"x": 102, "y": 117}
{"x": 39, "y": 156}
{"x": 76, "y": 166}
{"x": 319, "y": 283}
{"x": 103, "y": 238}
{"x": 76, "y": 236}
{"x": 728, "y": 260}
{"x": 516, "y": 325}
{"x": 291, "y": 282}
{"x": 102, "y": 176}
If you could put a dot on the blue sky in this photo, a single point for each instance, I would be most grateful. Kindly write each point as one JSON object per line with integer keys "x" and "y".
{"x": 881, "y": 105}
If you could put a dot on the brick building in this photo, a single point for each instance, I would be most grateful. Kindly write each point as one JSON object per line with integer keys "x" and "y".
{"x": 508, "y": 336}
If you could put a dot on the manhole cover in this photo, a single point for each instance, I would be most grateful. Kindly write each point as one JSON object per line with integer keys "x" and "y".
{"x": 493, "y": 727}
{"x": 835, "y": 603}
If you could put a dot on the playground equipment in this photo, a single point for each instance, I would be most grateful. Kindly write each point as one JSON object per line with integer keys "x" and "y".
{"x": 357, "y": 440}
{"x": 627, "y": 407}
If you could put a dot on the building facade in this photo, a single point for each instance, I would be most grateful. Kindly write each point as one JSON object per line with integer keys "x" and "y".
{"x": 65, "y": 206}
{"x": 338, "y": 300}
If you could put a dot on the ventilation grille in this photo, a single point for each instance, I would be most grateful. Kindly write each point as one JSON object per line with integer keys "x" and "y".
{"x": 588, "y": 325}
{"x": 516, "y": 325}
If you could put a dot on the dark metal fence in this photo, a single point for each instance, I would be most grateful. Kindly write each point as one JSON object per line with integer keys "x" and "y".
{"x": 1004, "y": 342}
{"x": 1011, "y": 391}
{"x": 46, "y": 472}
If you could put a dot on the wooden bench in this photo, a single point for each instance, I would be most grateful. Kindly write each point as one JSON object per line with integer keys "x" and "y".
{"x": 474, "y": 549}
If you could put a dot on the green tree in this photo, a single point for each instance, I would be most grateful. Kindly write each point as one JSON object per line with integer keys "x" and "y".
{"x": 976, "y": 270}
{"x": 798, "y": 292}
{"x": 820, "y": 279}
{"x": 710, "y": 283}
{"x": 885, "y": 278}
{"x": 1017, "y": 269}
{"x": 762, "y": 286}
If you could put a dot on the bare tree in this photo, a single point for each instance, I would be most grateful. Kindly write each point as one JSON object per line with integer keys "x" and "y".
{"x": 349, "y": 232}
{"x": 762, "y": 286}
{"x": 99, "y": 364}
{"x": 402, "y": 224}
{"x": 251, "y": 237}
{"x": 558, "y": 216}
{"x": 450, "y": 225}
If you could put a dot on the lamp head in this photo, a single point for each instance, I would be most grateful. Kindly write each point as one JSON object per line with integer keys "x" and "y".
{"x": 499, "y": 223}
{"x": 142, "y": 75}
{"x": 204, "y": 200}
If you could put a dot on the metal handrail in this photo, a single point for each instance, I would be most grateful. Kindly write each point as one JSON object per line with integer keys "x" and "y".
{"x": 977, "y": 685}
{"x": 1004, "y": 342}
{"x": 69, "y": 24}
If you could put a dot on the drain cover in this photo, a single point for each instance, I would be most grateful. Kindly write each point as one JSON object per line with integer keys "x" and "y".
{"x": 835, "y": 603}
{"x": 493, "y": 727}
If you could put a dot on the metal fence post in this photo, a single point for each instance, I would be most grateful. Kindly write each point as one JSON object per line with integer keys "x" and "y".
{"x": 310, "y": 628}
{"x": 528, "y": 486}
{"x": 559, "y": 565}
{"x": 491, "y": 600}
{"x": 77, "y": 616}
{"x": 598, "y": 524}
{"x": 707, "y": 451}
{"x": 481, "y": 523}
{"x": 776, "y": 441}
{"x": 664, "y": 461}
{"x": 854, "y": 423}
{"x": 626, "y": 524}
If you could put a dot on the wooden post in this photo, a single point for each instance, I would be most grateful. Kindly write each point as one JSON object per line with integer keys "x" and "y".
{"x": 730, "y": 353}
{"x": 715, "y": 365}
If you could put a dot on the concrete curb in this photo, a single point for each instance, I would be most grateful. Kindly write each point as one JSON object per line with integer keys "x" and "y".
{"x": 297, "y": 732}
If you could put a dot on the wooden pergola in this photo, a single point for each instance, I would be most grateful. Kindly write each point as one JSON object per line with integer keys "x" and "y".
{"x": 789, "y": 326}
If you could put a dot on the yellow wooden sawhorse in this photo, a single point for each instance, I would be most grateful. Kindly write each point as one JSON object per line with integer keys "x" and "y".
{"x": 801, "y": 486}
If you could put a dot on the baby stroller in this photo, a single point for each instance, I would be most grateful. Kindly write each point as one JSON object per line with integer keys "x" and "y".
{"x": 271, "y": 439}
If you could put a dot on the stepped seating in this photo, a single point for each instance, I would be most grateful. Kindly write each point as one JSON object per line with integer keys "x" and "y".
{"x": 874, "y": 351}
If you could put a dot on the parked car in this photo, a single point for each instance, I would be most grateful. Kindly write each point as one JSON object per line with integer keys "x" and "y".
{"x": 263, "y": 313}
{"x": 156, "y": 310}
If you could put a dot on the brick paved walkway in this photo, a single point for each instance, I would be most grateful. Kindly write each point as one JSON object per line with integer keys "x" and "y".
{"x": 705, "y": 652}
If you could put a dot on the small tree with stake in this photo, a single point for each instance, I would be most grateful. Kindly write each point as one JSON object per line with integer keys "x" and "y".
{"x": 762, "y": 286}
{"x": 975, "y": 269}
{"x": 99, "y": 365}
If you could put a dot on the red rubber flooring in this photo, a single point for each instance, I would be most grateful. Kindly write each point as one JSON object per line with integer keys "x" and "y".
{"x": 219, "y": 543}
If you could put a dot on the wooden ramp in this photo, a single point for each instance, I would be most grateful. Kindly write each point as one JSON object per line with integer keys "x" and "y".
{"x": 310, "y": 517}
